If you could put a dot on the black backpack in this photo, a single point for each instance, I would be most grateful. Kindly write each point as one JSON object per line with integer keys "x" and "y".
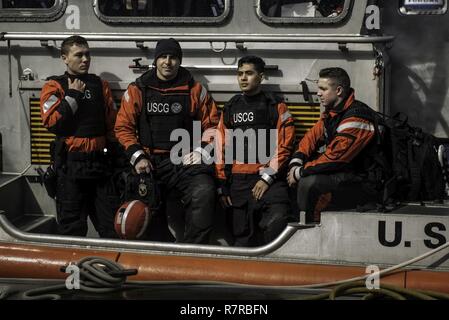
{"x": 415, "y": 174}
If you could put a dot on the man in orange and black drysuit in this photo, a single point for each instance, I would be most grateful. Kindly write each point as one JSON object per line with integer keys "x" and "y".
{"x": 331, "y": 164}
{"x": 78, "y": 108}
{"x": 162, "y": 102}
{"x": 255, "y": 140}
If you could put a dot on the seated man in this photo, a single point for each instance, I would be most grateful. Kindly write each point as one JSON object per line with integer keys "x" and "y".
{"x": 346, "y": 130}
{"x": 254, "y": 186}
{"x": 162, "y": 100}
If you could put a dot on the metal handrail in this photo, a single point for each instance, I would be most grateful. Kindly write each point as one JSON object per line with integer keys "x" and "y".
{"x": 206, "y": 37}
{"x": 17, "y": 234}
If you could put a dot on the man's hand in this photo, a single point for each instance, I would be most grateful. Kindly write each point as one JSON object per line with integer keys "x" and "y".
{"x": 143, "y": 166}
{"x": 191, "y": 158}
{"x": 259, "y": 189}
{"x": 225, "y": 201}
{"x": 224, "y": 195}
{"x": 294, "y": 174}
{"x": 77, "y": 85}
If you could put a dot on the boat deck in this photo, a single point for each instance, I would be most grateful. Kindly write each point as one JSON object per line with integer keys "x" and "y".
{"x": 4, "y": 179}
{"x": 412, "y": 208}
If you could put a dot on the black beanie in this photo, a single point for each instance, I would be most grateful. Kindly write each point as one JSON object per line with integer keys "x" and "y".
{"x": 168, "y": 46}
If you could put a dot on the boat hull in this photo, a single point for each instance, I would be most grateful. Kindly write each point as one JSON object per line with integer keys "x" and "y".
{"x": 42, "y": 262}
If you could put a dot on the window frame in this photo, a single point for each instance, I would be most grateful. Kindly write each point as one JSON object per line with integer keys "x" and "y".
{"x": 403, "y": 11}
{"x": 34, "y": 14}
{"x": 163, "y": 20}
{"x": 347, "y": 7}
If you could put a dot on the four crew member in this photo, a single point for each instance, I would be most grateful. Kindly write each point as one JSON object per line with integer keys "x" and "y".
{"x": 330, "y": 159}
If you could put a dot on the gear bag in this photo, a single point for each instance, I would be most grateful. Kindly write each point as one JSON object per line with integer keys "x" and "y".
{"x": 49, "y": 177}
{"x": 415, "y": 172}
{"x": 443, "y": 158}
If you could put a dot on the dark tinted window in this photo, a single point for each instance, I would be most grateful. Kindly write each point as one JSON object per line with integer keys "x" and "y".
{"x": 31, "y": 10}
{"x": 161, "y": 8}
{"x": 27, "y": 4}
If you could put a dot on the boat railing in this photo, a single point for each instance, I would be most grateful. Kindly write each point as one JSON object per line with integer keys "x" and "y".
{"x": 33, "y": 238}
{"x": 201, "y": 37}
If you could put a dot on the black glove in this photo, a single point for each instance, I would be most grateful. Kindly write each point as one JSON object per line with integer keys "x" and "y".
{"x": 223, "y": 188}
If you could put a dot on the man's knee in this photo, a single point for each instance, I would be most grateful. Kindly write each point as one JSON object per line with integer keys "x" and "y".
{"x": 203, "y": 190}
{"x": 307, "y": 183}
{"x": 200, "y": 207}
{"x": 71, "y": 218}
{"x": 275, "y": 220}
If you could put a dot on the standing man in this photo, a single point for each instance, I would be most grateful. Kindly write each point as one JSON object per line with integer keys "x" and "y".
{"x": 345, "y": 132}
{"x": 163, "y": 100}
{"x": 251, "y": 183}
{"x": 78, "y": 108}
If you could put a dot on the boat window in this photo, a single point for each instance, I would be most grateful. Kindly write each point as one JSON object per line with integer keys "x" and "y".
{"x": 162, "y": 11}
{"x": 38, "y": 4}
{"x": 302, "y": 11}
{"x": 422, "y": 7}
{"x": 31, "y": 10}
